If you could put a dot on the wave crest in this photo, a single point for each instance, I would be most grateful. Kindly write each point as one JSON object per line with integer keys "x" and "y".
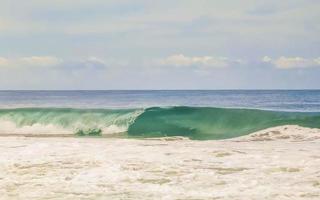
{"x": 43, "y": 121}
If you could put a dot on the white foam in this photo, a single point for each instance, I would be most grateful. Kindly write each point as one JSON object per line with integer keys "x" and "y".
{"x": 73, "y": 168}
{"x": 9, "y": 127}
{"x": 113, "y": 129}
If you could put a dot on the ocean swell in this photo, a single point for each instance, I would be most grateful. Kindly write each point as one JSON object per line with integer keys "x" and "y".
{"x": 201, "y": 123}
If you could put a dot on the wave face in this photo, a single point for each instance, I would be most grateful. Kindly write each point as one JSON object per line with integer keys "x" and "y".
{"x": 200, "y": 123}
{"x": 214, "y": 123}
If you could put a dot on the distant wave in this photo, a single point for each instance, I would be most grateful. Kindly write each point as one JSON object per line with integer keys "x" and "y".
{"x": 200, "y": 123}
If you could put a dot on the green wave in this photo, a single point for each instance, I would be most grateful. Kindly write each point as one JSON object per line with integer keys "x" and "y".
{"x": 214, "y": 123}
{"x": 199, "y": 123}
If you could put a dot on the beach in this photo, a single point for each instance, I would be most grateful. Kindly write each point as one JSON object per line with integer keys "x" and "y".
{"x": 276, "y": 163}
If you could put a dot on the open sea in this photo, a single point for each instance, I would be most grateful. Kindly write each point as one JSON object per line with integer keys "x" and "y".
{"x": 197, "y": 114}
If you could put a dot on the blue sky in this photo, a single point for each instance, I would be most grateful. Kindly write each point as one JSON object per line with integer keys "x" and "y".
{"x": 141, "y": 44}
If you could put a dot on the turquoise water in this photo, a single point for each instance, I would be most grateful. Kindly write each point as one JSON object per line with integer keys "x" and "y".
{"x": 214, "y": 123}
{"x": 200, "y": 115}
{"x": 200, "y": 123}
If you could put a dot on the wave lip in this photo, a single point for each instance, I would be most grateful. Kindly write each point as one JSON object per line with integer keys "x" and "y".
{"x": 63, "y": 121}
{"x": 200, "y": 123}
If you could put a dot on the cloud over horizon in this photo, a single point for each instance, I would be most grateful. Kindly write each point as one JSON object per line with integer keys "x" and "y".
{"x": 292, "y": 62}
{"x": 51, "y": 62}
{"x": 180, "y": 60}
{"x": 33, "y": 61}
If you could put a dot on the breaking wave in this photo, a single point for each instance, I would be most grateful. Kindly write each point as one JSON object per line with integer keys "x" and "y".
{"x": 38, "y": 121}
{"x": 201, "y": 123}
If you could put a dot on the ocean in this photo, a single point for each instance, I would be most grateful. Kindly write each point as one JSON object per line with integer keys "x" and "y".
{"x": 196, "y": 114}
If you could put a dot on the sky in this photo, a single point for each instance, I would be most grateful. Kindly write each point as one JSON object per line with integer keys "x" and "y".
{"x": 144, "y": 44}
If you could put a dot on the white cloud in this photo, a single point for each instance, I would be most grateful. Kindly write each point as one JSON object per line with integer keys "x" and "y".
{"x": 292, "y": 62}
{"x": 52, "y": 62}
{"x": 32, "y": 61}
{"x": 93, "y": 63}
{"x": 96, "y": 60}
{"x": 3, "y": 62}
{"x": 45, "y": 61}
{"x": 266, "y": 59}
{"x": 180, "y": 60}
{"x": 317, "y": 60}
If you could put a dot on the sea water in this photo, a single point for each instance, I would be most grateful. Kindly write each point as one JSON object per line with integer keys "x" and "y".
{"x": 197, "y": 114}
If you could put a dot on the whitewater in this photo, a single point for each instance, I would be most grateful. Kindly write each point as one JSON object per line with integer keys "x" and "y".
{"x": 277, "y": 163}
